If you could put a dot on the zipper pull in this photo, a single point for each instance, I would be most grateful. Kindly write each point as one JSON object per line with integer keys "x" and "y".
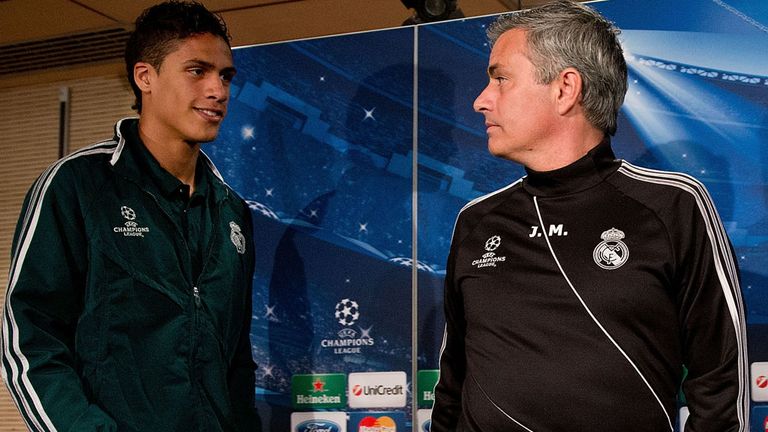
{"x": 196, "y": 295}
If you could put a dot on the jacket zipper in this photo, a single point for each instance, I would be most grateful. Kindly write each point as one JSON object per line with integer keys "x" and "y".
{"x": 196, "y": 295}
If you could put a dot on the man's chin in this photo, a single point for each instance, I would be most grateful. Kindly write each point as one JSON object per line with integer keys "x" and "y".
{"x": 205, "y": 137}
{"x": 496, "y": 150}
{"x": 504, "y": 153}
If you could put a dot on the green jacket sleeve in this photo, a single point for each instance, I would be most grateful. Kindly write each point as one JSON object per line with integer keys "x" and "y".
{"x": 242, "y": 374}
{"x": 43, "y": 302}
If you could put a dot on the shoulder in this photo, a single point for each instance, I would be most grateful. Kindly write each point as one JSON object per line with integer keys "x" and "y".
{"x": 80, "y": 168}
{"x": 658, "y": 185}
{"x": 474, "y": 211}
{"x": 234, "y": 201}
{"x": 487, "y": 202}
{"x": 662, "y": 190}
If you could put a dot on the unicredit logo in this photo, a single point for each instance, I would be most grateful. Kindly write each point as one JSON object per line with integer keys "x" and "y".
{"x": 379, "y": 390}
{"x": 762, "y": 381}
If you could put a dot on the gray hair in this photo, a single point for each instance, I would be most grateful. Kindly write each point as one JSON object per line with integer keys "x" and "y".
{"x": 566, "y": 34}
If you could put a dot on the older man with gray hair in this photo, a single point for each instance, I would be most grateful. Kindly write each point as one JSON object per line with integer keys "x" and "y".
{"x": 585, "y": 295}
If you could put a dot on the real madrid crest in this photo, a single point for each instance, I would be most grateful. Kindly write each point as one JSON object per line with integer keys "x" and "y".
{"x": 611, "y": 253}
{"x": 237, "y": 237}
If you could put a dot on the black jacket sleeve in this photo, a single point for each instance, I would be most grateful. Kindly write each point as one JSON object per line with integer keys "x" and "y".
{"x": 711, "y": 314}
{"x": 447, "y": 407}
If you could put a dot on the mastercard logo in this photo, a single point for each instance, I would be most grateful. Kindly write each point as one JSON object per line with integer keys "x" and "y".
{"x": 377, "y": 424}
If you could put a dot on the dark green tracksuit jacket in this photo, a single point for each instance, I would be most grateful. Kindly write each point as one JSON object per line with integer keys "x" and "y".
{"x": 112, "y": 321}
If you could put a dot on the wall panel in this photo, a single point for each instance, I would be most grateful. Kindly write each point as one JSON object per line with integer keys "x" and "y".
{"x": 29, "y": 137}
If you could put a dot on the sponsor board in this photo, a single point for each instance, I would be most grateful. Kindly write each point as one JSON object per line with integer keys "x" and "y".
{"x": 426, "y": 380}
{"x": 759, "y": 381}
{"x": 330, "y": 421}
{"x": 379, "y": 421}
{"x": 313, "y": 391}
{"x": 759, "y": 418}
{"x": 424, "y": 418}
{"x": 377, "y": 389}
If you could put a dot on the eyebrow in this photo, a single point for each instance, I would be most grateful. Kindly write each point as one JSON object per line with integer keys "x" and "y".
{"x": 210, "y": 66}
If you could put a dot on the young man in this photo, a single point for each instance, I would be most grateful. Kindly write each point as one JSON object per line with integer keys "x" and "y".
{"x": 128, "y": 304}
{"x": 609, "y": 279}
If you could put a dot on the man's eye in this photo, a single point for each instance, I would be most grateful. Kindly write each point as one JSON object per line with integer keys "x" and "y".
{"x": 227, "y": 77}
{"x": 196, "y": 71}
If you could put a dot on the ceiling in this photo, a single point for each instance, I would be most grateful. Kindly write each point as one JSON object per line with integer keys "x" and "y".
{"x": 50, "y": 37}
{"x": 251, "y": 21}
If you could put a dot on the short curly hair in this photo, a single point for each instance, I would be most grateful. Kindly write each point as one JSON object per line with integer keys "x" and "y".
{"x": 160, "y": 28}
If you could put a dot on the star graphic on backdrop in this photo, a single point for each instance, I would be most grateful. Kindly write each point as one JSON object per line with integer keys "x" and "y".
{"x": 270, "y": 314}
{"x": 365, "y": 333}
{"x": 322, "y": 79}
{"x": 363, "y": 227}
{"x": 318, "y": 386}
{"x": 313, "y": 213}
{"x": 248, "y": 132}
{"x": 369, "y": 114}
{"x": 267, "y": 370}
{"x": 268, "y": 192}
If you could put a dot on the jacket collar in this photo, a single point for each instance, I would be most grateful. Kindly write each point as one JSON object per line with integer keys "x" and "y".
{"x": 132, "y": 160}
{"x": 582, "y": 174}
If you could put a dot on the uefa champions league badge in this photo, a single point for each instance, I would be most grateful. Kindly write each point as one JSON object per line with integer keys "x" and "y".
{"x": 237, "y": 237}
{"x": 611, "y": 253}
{"x": 489, "y": 258}
{"x": 131, "y": 228}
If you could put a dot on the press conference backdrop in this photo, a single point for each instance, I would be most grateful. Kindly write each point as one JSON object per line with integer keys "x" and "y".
{"x": 321, "y": 139}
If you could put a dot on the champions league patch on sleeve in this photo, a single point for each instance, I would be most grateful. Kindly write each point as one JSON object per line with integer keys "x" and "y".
{"x": 611, "y": 253}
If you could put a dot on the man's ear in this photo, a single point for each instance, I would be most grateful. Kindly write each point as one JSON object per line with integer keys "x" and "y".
{"x": 569, "y": 85}
{"x": 142, "y": 75}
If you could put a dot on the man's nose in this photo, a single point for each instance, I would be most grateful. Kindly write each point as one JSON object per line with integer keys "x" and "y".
{"x": 482, "y": 102}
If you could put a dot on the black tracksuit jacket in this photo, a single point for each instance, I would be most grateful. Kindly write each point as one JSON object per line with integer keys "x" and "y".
{"x": 575, "y": 298}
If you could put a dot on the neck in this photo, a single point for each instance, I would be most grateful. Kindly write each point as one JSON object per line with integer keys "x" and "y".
{"x": 563, "y": 150}
{"x": 176, "y": 156}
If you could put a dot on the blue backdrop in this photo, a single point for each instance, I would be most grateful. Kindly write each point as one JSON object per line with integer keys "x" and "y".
{"x": 321, "y": 137}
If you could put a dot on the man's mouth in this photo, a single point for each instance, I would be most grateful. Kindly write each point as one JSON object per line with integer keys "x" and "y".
{"x": 211, "y": 114}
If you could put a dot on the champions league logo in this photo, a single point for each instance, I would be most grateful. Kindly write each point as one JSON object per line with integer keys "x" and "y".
{"x": 489, "y": 259}
{"x": 611, "y": 253}
{"x": 346, "y": 313}
{"x": 131, "y": 228}
{"x": 492, "y": 243}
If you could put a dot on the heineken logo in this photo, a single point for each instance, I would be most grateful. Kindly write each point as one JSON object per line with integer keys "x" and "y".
{"x": 426, "y": 381}
{"x": 318, "y": 391}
